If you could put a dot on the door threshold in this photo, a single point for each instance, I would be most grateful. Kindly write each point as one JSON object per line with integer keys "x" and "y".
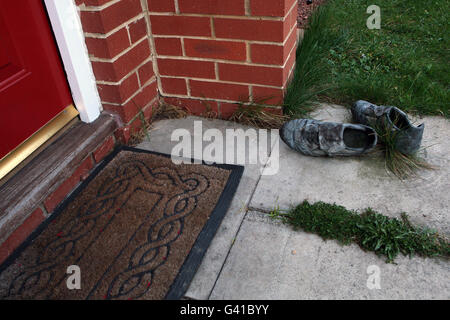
{"x": 13, "y": 159}
{"x": 28, "y": 188}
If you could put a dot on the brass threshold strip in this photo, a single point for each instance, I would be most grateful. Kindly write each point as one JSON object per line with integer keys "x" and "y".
{"x": 26, "y": 148}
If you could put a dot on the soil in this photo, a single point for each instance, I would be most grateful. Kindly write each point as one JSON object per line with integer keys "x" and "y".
{"x": 305, "y": 10}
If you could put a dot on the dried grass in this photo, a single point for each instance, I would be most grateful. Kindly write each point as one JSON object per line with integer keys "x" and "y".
{"x": 258, "y": 115}
{"x": 168, "y": 111}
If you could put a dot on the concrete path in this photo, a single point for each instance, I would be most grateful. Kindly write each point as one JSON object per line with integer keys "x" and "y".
{"x": 254, "y": 257}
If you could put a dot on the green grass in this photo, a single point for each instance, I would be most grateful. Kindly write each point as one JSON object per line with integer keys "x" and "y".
{"x": 372, "y": 231}
{"x": 310, "y": 74}
{"x": 405, "y": 63}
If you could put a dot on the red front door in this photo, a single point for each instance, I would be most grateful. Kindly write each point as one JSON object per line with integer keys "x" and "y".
{"x": 33, "y": 86}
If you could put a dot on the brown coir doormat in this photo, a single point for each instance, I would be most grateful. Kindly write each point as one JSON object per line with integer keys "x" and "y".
{"x": 137, "y": 228}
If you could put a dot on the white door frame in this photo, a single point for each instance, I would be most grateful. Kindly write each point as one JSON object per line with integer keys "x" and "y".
{"x": 69, "y": 36}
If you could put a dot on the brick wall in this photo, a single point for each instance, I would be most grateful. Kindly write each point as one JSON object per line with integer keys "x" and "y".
{"x": 214, "y": 53}
{"x": 198, "y": 54}
{"x": 118, "y": 39}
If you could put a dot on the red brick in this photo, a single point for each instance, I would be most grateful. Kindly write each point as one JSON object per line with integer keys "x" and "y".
{"x": 228, "y": 7}
{"x": 195, "y": 107}
{"x": 181, "y": 25}
{"x": 130, "y": 109}
{"x": 168, "y": 46}
{"x": 67, "y": 186}
{"x": 21, "y": 234}
{"x": 267, "y": 54}
{"x": 115, "y": 71}
{"x": 148, "y": 111}
{"x": 109, "y": 47}
{"x": 272, "y": 8}
{"x": 125, "y": 112}
{"x": 288, "y": 67}
{"x": 92, "y": 2}
{"x": 227, "y": 109}
{"x": 146, "y": 72}
{"x": 271, "y": 96}
{"x": 251, "y": 74}
{"x": 119, "y": 93}
{"x": 214, "y": 49}
{"x": 259, "y": 30}
{"x": 92, "y": 22}
{"x": 290, "y": 22}
{"x": 106, "y": 71}
{"x": 186, "y": 68}
{"x": 111, "y": 17}
{"x": 290, "y": 43}
{"x": 161, "y": 5}
{"x": 123, "y": 134}
{"x": 146, "y": 95}
{"x": 215, "y": 90}
{"x": 137, "y": 124}
{"x": 289, "y": 78}
{"x": 138, "y": 30}
{"x": 273, "y": 54}
{"x": 174, "y": 86}
{"x": 104, "y": 149}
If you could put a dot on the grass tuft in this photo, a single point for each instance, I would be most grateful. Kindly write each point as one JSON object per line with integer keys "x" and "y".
{"x": 310, "y": 73}
{"x": 258, "y": 115}
{"x": 403, "y": 166}
{"x": 168, "y": 111}
{"x": 372, "y": 231}
{"x": 161, "y": 112}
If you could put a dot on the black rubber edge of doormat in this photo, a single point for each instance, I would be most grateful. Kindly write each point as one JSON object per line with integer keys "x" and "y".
{"x": 195, "y": 256}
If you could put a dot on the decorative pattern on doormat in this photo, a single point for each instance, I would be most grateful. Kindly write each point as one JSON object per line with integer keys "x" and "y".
{"x": 137, "y": 228}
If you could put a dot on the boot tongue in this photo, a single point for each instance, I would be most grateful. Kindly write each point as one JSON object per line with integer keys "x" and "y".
{"x": 331, "y": 137}
{"x": 379, "y": 110}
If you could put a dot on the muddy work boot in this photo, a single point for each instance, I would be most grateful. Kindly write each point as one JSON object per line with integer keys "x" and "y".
{"x": 408, "y": 137}
{"x": 318, "y": 138}
{"x": 367, "y": 113}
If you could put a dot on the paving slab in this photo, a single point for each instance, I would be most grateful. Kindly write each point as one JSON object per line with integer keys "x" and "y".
{"x": 361, "y": 182}
{"x": 255, "y": 257}
{"x": 160, "y": 141}
{"x": 270, "y": 260}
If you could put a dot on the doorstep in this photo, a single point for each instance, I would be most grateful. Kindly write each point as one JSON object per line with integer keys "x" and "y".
{"x": 161, "y": 140}
{"x": 22, "y": 197}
